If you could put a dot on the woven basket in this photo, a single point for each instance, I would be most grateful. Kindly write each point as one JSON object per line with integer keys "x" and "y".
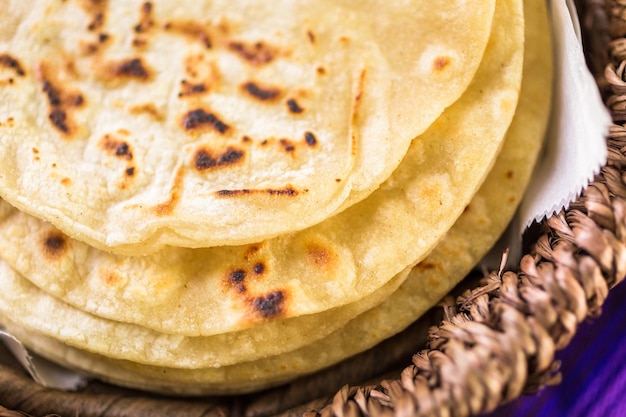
{"x": 508, "y": 325}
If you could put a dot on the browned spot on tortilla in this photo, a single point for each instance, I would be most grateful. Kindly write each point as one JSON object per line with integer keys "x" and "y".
{"x": 130, "y": 171}
{"x": 259, "y": 268}
{"x": 61, "y": 101}
{"x": 310, "y": 139}
{"x": 287, "y": 145}
{"x": 252, "y": 250}
{"x": 192, "y": 30}
{"x": 509, "y": 174}
{"x": 66, "y": 181}
{"x": 321, "y": 70}
{"x": 96, "y": 10}
{"x": 311, "y": 36}
{"x": 269, "y": 305}
{"x": 200, "y": 119}
{"x": 288, "y": 191}
{"x": 337, "y": 179}
{"x": 258, "y": 53}
{"x": 168, "y": 207}
{"x": 205, "y": 158}
{"x": 320, "y": 255}
{"x": 54, "y": 245}
{"x": 189, "y": 89}
{"x": 145, "y": 18}
{"x": 110, "y": 278}
{"x": 132, "y": 68}
{"x": 116, "y": 147}
{"x": 9, "y": 122}
{"x": 147, "y": 108}
{"x": 441, "y": 62}
{"x": 236, "y": 279}
{"x": 294, "y": 107}
{"x": 263, "y": 93}
{"x": 355, "y": 109}
{"x": 246, "y": 139}
{"x": 8, "y": 61}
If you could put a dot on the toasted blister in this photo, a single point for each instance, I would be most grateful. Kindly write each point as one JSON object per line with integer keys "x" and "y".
{"x": 203, "y": 292}
{"x": 135, "y": 125}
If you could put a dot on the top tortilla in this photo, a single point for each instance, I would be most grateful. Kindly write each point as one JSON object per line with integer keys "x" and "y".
{"x": 468, "y": 240}
{"x": 200, "y": 292}
{"x": 129, "y": 124}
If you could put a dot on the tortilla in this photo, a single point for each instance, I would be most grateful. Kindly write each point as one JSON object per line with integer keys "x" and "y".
{"x": 202, "y": 292}
{"x": 467, "y": 241}
{"x": 128, "y": 124}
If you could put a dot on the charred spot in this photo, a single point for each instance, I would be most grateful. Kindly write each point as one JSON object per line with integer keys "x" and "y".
{"x": 60, "y": 102}
{"x": 270, "y": 304}
{"x": 117, "y": 147}
{"x": 262, "y": 93}
{"x": 53, "y": 94}
{"x": 130, "y": 171}
{"x": 231, "y": 156}
{"x": 310, "y": 139}
{"x": 200, "y": 118}
{"x": 77, "y": 100}
{"x": 293, "y": 106}
{"x": 132, "y": 68}
{"x": 259, "y": 268}
{"x": 287, "y": 145}
{"x": 441, "y": 62}
{"x": 246, "y": 139}
{"x": 145, "y": 21}
{"x": 123, "y": 150}
{"x": 103, "y": 37}
{"x": 237, "y": 279}
{"x": 233, "y": 193}
{"x": 54, "y": 244}
{"x": 257, "y": 54}
{"x": 189, "y": 89}
{"x": 8, "y": 61}
{"x": 96, "y": 22}
{"x": 204, "y": 160}
{"x": 58, "y": 117}
{"x": 287, "y": 191}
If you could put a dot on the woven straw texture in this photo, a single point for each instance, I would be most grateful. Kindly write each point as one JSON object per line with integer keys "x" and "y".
{"x": 478, "y": 350}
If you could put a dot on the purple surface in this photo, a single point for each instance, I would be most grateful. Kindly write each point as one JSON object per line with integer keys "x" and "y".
{"x": 593, "y": 370}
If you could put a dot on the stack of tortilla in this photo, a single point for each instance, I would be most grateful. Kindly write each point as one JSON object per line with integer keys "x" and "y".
{"x": 220, "y": 196}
